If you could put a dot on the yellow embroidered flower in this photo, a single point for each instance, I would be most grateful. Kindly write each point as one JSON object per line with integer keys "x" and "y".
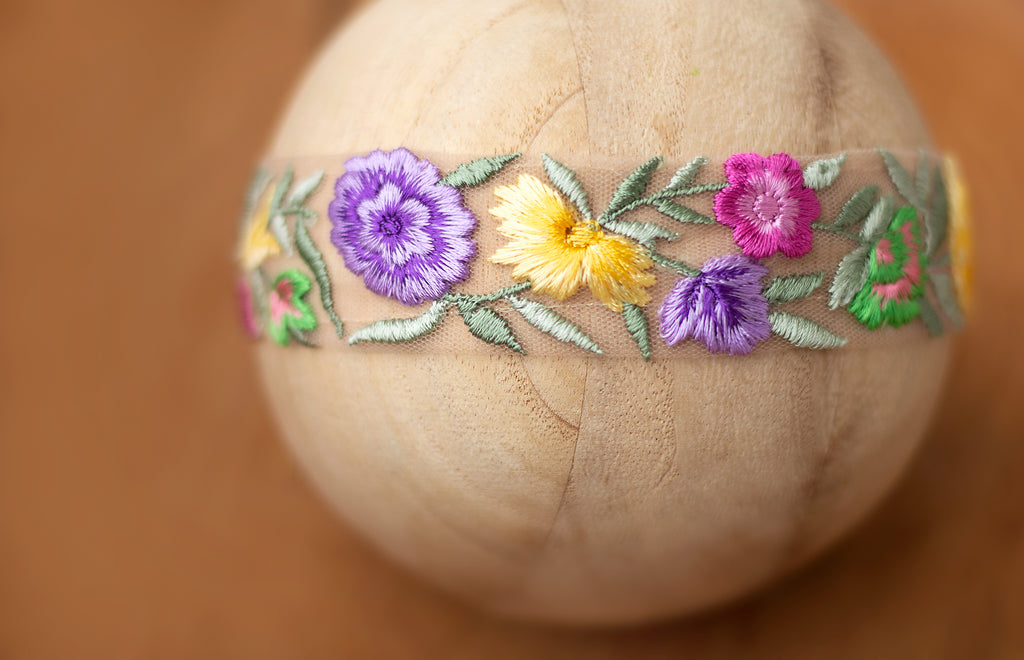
{"x": 558, "y": 251}
{"x": 961, "y": 241}
{"x": 257, "y": 242}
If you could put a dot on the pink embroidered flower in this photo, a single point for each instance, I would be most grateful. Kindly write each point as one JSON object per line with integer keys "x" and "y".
{"x": 247, "y": 308}
{"x": 897, "y": 271}
{"x": 288, "y": 312}
{"x": 767, "y": 205}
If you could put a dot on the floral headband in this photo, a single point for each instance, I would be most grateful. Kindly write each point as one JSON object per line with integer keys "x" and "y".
{"x": 535, "y": 256}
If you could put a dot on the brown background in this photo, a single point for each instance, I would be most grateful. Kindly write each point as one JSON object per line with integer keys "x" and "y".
{"x": 147, "y": 509}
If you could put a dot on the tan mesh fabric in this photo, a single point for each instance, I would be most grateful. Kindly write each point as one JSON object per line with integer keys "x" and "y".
{"x": 358, "y": 307}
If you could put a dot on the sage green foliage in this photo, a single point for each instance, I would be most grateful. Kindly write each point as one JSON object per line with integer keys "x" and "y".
{"x": 685, "y": 175}
{"x": 303, "y": 189}
{"x": 937, "y": 218}
{"x": 546, "y": 320}
{"x": 822, "y": 173}
{"x": 311, "y": 255}
{"x": 929, "y": 316}
{"x": 851, "y": 276}
{"x": 565, "y": 180}
{"x": 901, "y": 178}
{"x": 681, "y": 213}
{"x": 792, "y": 287}
{"x": 943, "y": 285}
{"x": 804, "y": 332}
{"x": 477, "y": 172}
{"x": 923, "y": 179}
{"x": 857, "y": 207}
{"x": 631, "y": 189}
{"x": 395, "y": 331}
{"x": 636, "y": 325}
{"x": 644, "y": 233}
{"x": 486, "y": 324}
{"x": 878, "y": 220}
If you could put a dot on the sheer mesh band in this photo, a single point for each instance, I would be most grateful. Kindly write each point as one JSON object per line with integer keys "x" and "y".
{"x": 879, "y": 229}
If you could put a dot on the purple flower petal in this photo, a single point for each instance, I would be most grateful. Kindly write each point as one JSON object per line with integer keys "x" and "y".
{"x": 723, "y": 307}
{"x": 405, "y": 235}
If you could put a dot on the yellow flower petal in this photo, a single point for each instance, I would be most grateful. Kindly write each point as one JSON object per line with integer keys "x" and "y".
{"x": 257, "y": 242}
{"x": 558, "y": 252}
{"x": 615, "y": 269}
{"x": 961, "y": 240}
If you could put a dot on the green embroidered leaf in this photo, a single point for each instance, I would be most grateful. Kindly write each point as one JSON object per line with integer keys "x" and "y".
{"x": 644, "y": 233}
{"x": 636, "y": 325}
{"x": 301, "y": 337}
{"x": 823, "y": 173}
{"x": 923, "y": 182}
{"x": 685, "y": 175}
{"x": 929, "y": 317}
{"x": 259, "y": 182}
{"x": 546, "y": 320}
{"x": 804, "y": 332}
{"x": 878, "y": 220}
{"x": 476, "y": 172}
{"x": 850, "y": 277}
{"x": 937, "y": 219}
{"x": 857, "y": 207}
{"x": 485, "y": 324}
{"x": 565, "y": 180}
{"x": 282, "y": 188}
{"x": 303, "y": 189}
{"x": 681, "y": 213}
{"x": 943, "y": 285}
{"x": 632, "y": 188}
{"x": 792, "y": 287}
{"x": 901, "y": 178}
{"x": 311, "y": 255}
{"x": 279, "y": 228}
{"x": 395, "y": 331}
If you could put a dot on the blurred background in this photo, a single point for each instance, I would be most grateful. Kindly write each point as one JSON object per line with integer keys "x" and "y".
{"x": 147, "y": 509}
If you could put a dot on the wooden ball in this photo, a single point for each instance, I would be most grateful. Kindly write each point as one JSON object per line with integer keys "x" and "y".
{"x": 596, "y": 490}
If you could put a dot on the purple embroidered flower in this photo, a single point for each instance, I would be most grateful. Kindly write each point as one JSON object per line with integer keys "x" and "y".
{"x": 404, "y": 234}
{"x": 767, "y": 205}
{"x": 722, "y": 307}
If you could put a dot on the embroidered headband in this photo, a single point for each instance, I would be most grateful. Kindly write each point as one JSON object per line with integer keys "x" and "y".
{"x": 536, "y": 256}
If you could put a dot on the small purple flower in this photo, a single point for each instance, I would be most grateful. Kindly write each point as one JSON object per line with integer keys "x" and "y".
{"x": 395, "y": 227}
{"x": 767, "y": 205}
{"x": 722, "y": 307}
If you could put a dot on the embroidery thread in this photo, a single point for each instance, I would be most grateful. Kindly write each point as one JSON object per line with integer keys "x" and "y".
{"x": 265, "y": 234}
{"x": 405, "y": 229}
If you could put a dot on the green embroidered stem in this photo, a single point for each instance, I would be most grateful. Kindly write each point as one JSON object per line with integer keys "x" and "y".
{"x": 488, "y": 297}
{"x": 838, "y": 232}
{"x": 311, "y": 255}
{"x": 665, "y": 195}
{"x": 672, "y": 264}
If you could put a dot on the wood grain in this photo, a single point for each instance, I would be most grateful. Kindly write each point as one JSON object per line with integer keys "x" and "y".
{"x": 147, "y": 508}
{"x": 683, "y": 483}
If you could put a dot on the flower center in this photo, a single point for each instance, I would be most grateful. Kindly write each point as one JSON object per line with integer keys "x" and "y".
{"x": 390, "y": 224}
{"x": 768, "y": 208}
{"x": 584, "y": 234}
